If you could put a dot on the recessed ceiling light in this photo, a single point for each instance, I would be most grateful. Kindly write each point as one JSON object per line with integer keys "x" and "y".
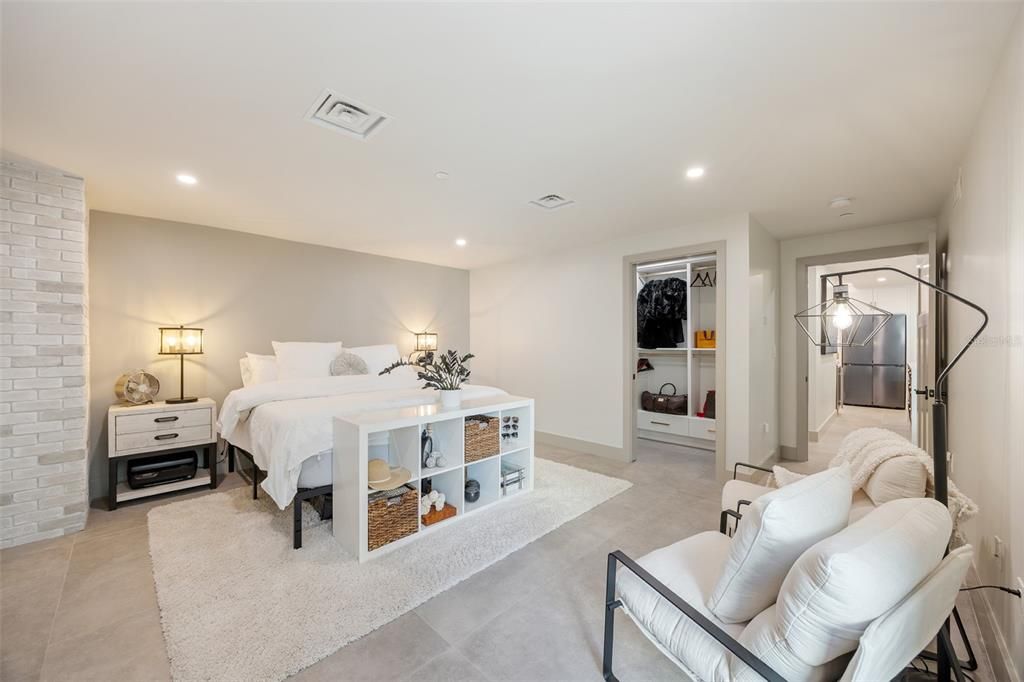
{"x": 880, "y": 279}
{"x": 694, "y": 172}
{"x": 460, "y": 242}
{"x": 441, "y": 175}
{"x": 186, "y": 179}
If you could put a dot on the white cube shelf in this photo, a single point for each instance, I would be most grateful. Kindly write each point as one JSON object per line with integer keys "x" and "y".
{"x": 354, "y": 438}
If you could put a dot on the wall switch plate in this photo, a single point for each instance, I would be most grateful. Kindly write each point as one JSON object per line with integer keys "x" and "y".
{"x": 997, "y": 546}
{"x": 1020, "y": 600}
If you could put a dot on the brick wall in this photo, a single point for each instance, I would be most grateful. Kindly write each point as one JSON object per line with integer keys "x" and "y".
{"x": 43, "y": 359}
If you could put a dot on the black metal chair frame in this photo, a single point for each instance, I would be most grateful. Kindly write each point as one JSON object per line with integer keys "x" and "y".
{"x": 721, "y": 636}
{"x": 300, "y": 495}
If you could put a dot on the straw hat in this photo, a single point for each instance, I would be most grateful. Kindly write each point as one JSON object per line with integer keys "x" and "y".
{"x": 380, "y": 476}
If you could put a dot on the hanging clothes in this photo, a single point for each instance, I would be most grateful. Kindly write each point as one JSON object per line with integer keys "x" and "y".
{"x": 660, "y": 312}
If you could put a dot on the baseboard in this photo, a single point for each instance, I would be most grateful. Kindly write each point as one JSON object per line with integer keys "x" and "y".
{"x": 814, "y": 435}
{"x": 577, "y": 445}
{"x": 787, "y": 453}
{"x": 1003, "y": 667}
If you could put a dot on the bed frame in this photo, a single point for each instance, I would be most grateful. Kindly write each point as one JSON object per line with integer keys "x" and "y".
{"x": 300, "y": 495}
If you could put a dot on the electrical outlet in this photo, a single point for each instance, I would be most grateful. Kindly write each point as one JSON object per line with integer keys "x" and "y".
{"x": 764, "y": 427}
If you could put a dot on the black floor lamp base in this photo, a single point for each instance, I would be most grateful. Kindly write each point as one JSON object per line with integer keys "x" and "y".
{"x": 186, "y": 399}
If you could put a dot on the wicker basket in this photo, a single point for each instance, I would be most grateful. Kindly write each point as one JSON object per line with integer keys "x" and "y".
{"x": 392, "y": 515}
{"x": 482, "y": 437}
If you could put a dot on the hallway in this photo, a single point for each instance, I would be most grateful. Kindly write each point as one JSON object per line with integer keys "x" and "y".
{"x": 851, "y": 418}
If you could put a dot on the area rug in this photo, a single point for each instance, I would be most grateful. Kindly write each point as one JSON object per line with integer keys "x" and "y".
{"x": 237, "y": 602}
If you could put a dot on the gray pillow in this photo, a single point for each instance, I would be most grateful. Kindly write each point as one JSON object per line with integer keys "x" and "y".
{"x": 348, "y": 364}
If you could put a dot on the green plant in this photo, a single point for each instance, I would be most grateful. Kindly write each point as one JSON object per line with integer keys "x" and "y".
{"x": 444, "y": 372}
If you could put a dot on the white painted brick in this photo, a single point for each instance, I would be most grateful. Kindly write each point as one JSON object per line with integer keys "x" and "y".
{"x": 61, "y": 201}
{"x": 17, "y": 218}
{"x": 58, "y": 265}
{"x": 39, "y": 493}
{"x": 20, "y": 239}
{"x": 34, "y": 252}
{"x": 8, "y": 283}
{"x": 37, "y": 382}
{"x": 35, "y": 405}
{"x": 35, "y": 231}
{"x": 37, "y": 187}
{"x": 35, "y": 274}
{"x": 69, "y": 193}
{"x": 24, "y": 372}
{"x": 37, "y": 340}
{"x": 17, "y": 396}
{"x": 36, "y": 209}
{"x": 38, "y": 515}
{"x": 59, "y": 244}
{"x": 35, "y": 296}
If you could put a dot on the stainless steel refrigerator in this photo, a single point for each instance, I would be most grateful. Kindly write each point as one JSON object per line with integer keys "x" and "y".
{"x": 875, "y": 375}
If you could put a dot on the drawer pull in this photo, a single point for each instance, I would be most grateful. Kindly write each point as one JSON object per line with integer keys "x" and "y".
{"x": 660, "y": 423}
{"x": 711, "y": 431}
{"x": 161, "y": 420}
{"x": 165, "y": 436}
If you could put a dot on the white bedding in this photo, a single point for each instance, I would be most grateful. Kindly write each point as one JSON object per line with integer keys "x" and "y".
{"x": 287, "y": 422}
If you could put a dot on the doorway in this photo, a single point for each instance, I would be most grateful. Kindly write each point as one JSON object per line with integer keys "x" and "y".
{"x": 873, "y": 385}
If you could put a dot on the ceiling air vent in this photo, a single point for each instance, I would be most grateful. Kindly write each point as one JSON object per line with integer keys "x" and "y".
{"x": 551, "y": 201}
{"x": 344, "y": 115}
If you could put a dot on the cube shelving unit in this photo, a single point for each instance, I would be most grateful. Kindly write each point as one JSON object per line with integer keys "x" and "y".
{"x": 358, "y": 438}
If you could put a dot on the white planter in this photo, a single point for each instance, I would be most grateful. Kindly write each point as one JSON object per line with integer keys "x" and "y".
{"x": 451, "y": 398}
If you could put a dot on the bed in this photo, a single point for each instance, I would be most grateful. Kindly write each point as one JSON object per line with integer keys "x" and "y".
{"x": 285, "y": 429}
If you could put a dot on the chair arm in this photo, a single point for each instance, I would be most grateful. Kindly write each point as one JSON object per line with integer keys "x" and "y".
{"x": 720, "y": 635}
{"x": 737, "y": 465}
{"x": 723, "y": 523}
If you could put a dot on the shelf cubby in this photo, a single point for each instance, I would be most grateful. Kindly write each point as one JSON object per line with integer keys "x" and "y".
{"x": 520, "y": 459}
{"x": 451, "y": 485}
{"x": 487, "y": 473}
{"x": 447, "y": 436}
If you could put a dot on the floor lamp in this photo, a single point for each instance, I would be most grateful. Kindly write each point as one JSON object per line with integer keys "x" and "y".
{"x": 839, "y": 322}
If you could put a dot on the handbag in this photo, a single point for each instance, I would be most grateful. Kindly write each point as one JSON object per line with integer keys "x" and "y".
{"x": 709, "y": 405}
{"x": 704, "y": 338}
{"x": 666, "y": 403}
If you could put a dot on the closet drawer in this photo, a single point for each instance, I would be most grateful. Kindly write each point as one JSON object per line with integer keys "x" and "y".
{"x": 162, "y": 421}
{"x": 702, "y": 428}
{"x": 170, "y": 438}
{"x": 663, "y": 423}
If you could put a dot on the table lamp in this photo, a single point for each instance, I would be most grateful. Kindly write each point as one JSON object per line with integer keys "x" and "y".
{"x": 181, "y": 341}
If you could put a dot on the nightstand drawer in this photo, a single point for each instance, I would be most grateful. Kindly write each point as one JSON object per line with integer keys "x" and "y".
{"x": 165, "y": 439}
{"x": 162, "y": 421}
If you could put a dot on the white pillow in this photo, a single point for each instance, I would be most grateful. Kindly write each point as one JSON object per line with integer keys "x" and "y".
{"x": 245, "y": 371}
{"x": 262, "y": 368}
{"x": 784, "y": 477}
{"x": 305, "y": 359}
{"x": 843, "y": 583}
{"x": 377, "y": 357}
{"x": 777, "y": 528}
{"x": 897, "y": 479}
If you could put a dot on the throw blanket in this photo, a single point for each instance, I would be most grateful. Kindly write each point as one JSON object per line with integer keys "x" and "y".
{"x": 866, "y": 449}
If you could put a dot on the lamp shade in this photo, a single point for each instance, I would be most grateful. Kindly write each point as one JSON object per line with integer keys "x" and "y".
{"x": 426, "y": 342}
{"x": 181, "y": 340}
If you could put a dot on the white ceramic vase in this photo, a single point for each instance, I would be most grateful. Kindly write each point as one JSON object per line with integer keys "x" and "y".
{"x": 451, "y": 398}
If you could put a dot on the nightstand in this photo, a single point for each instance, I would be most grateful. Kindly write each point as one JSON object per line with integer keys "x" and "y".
{"x": 135, "y": 431}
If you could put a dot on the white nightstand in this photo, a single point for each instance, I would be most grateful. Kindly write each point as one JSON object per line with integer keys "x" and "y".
{"x": 135, "y": 431}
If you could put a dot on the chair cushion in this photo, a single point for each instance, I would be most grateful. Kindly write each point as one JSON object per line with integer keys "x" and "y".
{"x": 689, "y": 568}
{"x": 844, "y": 582}
{"x": 776, "y": 529}
{"x": 897, "y": 479}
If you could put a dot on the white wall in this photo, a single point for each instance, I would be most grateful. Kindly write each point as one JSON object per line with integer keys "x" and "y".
{"x": 551, "y": 327}
{"x": 986, "y": 404}
{"x": 821, "y": 384}
{"x": 914, "y": 232}
{"x": 764, "y": 338}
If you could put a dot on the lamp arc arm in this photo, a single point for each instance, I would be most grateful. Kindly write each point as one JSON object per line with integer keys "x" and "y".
{"x": 963, "y": 349}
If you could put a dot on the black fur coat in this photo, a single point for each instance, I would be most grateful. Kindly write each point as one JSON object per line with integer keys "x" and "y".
{"x": 660, "y": 311}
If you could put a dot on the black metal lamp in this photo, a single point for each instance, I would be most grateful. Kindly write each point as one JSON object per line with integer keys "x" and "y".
{"x": 839, "y": 323}
{"x": 181, "y": 341}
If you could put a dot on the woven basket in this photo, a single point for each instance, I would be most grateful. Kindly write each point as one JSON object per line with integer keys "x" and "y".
{"x": 482, "y": 437}
{"x": 391, "y": 515}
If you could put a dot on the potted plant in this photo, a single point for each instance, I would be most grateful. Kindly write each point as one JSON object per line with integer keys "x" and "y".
{"x": 445, "y": 373}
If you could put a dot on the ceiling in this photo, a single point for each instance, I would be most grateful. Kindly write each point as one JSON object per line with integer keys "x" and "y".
{"x": 786, "y": 105}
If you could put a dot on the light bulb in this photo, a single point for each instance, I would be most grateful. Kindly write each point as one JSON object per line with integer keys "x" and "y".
{"x": 190, "y": 341}
{"x": 842, "y": 318}
{"x": 172, "y": 341}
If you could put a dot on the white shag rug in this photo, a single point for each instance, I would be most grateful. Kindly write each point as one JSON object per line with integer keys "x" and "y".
{"x": 238, "y": 603}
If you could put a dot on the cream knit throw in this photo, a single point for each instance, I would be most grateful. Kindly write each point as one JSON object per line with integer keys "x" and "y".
{"x": 866, "y": 449}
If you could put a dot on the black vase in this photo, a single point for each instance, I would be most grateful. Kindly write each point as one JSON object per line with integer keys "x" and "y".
{"x": 472, "y": 490}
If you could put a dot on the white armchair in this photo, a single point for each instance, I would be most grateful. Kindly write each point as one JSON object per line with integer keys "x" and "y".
{"x": 792, "y": 597}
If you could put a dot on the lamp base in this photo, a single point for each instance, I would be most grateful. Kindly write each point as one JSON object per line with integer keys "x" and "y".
{"x": 177, "y": 401}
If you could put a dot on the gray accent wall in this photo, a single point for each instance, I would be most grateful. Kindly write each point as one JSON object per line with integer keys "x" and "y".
{"x": 245, "y": 291}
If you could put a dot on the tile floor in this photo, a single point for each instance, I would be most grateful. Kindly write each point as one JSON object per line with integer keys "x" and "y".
{"x": 83, "y": 607}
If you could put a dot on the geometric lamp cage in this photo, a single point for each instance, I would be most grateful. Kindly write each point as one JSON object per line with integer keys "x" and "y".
{"x": 842, "y": 321}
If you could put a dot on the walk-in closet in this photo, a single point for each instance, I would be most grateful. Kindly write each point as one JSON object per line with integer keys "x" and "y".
{"x": 675, "y": 351}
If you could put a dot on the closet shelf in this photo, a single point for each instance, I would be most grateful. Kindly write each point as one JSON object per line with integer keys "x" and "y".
{"x": 661, "y": 351}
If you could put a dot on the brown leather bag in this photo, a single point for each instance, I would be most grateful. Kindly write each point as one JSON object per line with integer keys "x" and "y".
{"x": 666, "y": 403}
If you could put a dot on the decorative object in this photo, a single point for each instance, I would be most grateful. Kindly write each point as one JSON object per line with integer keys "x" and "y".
{"x": 644, "y": 365}
{"x": 181, "y": 341}
{"x": 509, "y": 428}
{"x": 472, "y": 490}
{"x": 704, "y": 338}
{"x": 445, "y": 374}
{"x": 481, "y": 437}
{"x": 391, "y": 515}
{"x": 381, "y": 476}
{"x": 426, "y": 444}
{"x": 140, "y": 431}
{"x": 665, "y": 403}
{"x": 451, "y": 399}
{"x": 348, "y": 364}
{"x": 138, "y": 387}
{"x": 511, "y": 474}
{"x": 312, "y": 618}
{"x": 434, "y": 516}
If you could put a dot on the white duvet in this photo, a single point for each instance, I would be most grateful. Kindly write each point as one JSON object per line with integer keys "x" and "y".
{"x": 291, "y": 421}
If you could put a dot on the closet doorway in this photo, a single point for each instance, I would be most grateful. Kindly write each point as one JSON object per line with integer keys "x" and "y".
{"x": 675, "y": 363}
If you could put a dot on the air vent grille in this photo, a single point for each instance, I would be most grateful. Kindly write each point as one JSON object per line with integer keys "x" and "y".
{"x": 344, "y": 115}
{"x": 550, "y": 202}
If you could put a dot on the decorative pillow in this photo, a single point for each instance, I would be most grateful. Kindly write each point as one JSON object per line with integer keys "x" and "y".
{"x": 348, "y": 364}
{"x": 784, "y": 477}
{"x": 262, "y": 368}
{"x": 377, "y": 357}
{"x": 776, "y": 529}
{"x": 245, "y": 371}
{"x": 843, "y": 583}
{"x": 305, "y": 360}
{"x": 897, "y": 479}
